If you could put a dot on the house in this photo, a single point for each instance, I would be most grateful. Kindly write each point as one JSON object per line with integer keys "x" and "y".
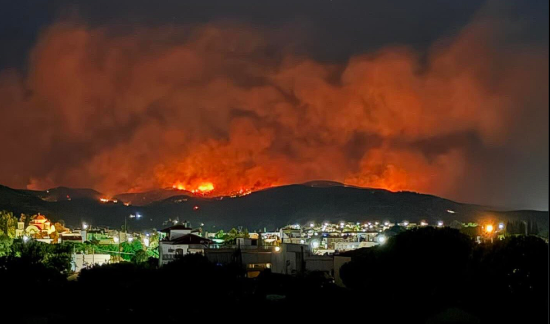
{"x": 177, "y": 241}
{"x": 81, "y": 261}
{"x": 342, "y": 258}
{"x": 288, "y": 258}
{"x": 253, "y": 258}
{"x": 75, "y": 237}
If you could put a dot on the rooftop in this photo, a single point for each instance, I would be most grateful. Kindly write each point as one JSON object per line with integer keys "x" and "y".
{"x": 190, "y": 239}
{"x": 175, "y": 227}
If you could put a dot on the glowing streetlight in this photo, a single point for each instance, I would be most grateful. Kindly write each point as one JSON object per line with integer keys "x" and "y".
{"x": 277, "y": 249}
{"x": 405, "y": 223}
{"x": 381, "y": 239}
{"x": 311, "y": 225}
{"x": 315, "y": 244}
{"x": 440, "y": 223}
{"x": 489, "y": 228}
{"x": 501, "y": 226}
{"x": 25, "y": 238}
{"x": 84, "y": 226}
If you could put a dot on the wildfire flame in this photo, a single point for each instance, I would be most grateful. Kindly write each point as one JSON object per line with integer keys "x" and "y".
{"x": 206, "y": 187}
{"x": 202, "y": 188}
{"x": 179, "y": 186}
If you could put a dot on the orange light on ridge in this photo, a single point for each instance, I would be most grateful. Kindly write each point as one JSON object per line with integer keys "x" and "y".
{"x": 178, "y": 186}
{"x": 206, "y": 187}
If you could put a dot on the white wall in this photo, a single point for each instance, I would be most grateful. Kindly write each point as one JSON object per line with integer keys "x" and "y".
{"x": 174, "y": 234}
{"x": 339, "y": 261}
{"x": 167, "y": 252}
{"x": 82, "y": 260}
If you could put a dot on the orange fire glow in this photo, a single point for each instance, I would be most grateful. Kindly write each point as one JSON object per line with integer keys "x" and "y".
{"x": 384, "y": 118}
{"x": 206, "y": 187}
{"x": 179, "y": 186}
{"x": 203, "y": 188}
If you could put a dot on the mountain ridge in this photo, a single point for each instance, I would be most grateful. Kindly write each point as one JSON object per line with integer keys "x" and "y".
{"x": 272, "y": 207}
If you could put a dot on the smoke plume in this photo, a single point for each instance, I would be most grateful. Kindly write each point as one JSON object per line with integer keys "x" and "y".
{"x": 230, "y": 105}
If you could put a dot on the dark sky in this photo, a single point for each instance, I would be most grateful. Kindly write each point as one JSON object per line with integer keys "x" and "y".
{"x": 444, "y": 97}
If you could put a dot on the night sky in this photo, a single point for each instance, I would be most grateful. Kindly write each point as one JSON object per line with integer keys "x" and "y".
{"x": 442, "y": 97}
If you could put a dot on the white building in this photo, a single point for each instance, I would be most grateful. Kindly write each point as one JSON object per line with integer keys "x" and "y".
{"x": 81, "y": 261}
{"x": 177, "y": 241}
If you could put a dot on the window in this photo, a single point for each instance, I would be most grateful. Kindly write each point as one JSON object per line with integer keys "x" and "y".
{"x": 259, "y": 266}
{"x": 179, "y": 251}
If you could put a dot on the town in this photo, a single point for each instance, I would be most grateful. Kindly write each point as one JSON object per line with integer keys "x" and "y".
{"x": 315, "y": 258}
{"x": 290, "y": 250}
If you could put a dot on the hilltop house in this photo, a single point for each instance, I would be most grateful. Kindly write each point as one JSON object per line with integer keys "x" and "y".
{"x": 177, "y": 241}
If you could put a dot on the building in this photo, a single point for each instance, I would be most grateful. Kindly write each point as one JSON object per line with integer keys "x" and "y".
{"x": 81, "y": 261}
{"x": 75, "y": 237}
{"x": 339, "y": 260}
{"x": 39, "y": 227}
{"x": 177, "y": 241}
{"x": 288, "y": 258}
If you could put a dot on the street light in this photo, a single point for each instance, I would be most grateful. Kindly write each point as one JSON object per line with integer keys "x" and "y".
{"x": 440, "y": 223}
{"x": 85, "y": 226}
{"x": 25, "y": 238}
{"x": 315, "y": 244}
{"x": 381, "y": 239}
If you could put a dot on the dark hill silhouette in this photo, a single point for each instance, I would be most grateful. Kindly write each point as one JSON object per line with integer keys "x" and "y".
{"x": 145, "y": 198}
{"x": 65, "y": 193}
{"x": 271, "y": 208}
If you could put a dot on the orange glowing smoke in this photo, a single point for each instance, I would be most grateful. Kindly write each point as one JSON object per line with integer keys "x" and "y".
{"x": 207, "y": 110}
{"x": 202, "y": 188}
{"x": 205, "y": 187}
{"x": 179, "y": 186}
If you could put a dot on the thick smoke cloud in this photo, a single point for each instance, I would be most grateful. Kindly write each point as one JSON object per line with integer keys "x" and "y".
{"x": 231, "y": 105}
